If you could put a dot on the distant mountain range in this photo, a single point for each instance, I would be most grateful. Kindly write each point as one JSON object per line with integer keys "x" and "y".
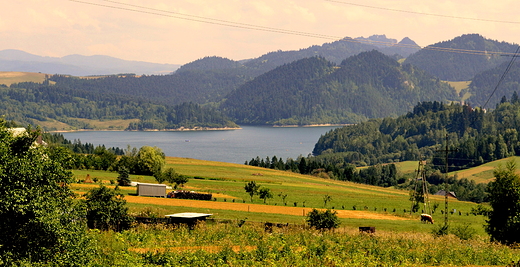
{"x": 78, "y": 65}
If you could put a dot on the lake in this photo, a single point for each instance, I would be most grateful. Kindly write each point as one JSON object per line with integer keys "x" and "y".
{"x": 234, "y": 146}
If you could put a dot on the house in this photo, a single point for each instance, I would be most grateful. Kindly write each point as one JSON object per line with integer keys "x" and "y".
{"x": 443, "y": 193}
{"x": 151, "y": 190}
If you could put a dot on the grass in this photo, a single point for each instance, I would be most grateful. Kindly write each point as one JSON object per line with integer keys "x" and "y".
{"x": 226, "y": 181}
{"x": 484, "y": 172}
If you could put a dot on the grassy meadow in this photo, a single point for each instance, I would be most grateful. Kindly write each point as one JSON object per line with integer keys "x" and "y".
{"x": 236, "y": 236}
{"x": 10, "y": 77}
{"x": 385, "y": 208}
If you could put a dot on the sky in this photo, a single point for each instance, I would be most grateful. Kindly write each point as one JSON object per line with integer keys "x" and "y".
{"x": 179, "y": 31}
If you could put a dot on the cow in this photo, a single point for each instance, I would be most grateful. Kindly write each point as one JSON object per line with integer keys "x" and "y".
{"x": 427, "y": 218}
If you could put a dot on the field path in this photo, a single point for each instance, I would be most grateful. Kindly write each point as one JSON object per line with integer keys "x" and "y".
{"x": 298, "y": 211}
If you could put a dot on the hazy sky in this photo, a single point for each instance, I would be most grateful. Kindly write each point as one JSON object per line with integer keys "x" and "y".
{"x": 172, "y": 32}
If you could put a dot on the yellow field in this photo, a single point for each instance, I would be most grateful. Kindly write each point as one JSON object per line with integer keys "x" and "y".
{"x": 10, "y": 77}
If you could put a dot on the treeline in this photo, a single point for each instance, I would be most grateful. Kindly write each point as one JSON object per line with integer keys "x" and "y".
{"x": 474, "y": 137}
{"x": 384, "y": 175}
{"x": 314, "y": 90}
{"x": 379, "y": 175}
{"x": 28, "y": 103}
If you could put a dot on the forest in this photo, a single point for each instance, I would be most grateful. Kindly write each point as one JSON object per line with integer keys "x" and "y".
{"x": 314, "y": 91}
{"x": 27, "y": 103}
{"x": 474, "y": 136}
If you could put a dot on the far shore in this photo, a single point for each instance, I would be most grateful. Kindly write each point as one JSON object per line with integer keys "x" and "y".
{"x": 182, "y": 129}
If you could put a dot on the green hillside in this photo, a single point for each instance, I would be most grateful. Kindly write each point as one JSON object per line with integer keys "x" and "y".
{"x": 313, "y": 91}
{"x": 454, "y": 60}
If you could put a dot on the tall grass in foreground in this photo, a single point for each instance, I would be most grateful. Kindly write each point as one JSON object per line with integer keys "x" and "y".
{"x": 251, "y": 245}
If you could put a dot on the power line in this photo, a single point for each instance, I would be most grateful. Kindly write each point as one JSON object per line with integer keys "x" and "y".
{"x": 219, "y": 22}
{"x": 503, "y": 75}
{"x": 421, "y": 13}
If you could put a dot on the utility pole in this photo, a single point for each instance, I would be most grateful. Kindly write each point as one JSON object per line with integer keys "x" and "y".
{"x": 446, "y": 187}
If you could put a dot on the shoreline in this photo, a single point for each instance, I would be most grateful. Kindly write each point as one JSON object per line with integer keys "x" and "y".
{"x": 181, "y": 129}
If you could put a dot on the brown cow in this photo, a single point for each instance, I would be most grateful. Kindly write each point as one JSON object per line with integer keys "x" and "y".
{"x": 427, "y": 218}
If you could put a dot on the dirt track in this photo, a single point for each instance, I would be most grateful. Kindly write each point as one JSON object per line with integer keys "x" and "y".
{"x": 355, "y": 214}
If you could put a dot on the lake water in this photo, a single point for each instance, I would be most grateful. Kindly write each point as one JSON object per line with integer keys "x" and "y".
{"x": 235, "y": 146}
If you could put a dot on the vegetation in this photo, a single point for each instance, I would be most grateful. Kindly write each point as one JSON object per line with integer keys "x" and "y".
{"x": 482, "y": 85}
{"x": 106, "y": 209}
{"x": 455, "y": 66}
{"x": 322, "y": 219}
{"x": 314, "y": 91}
{"x": 33, "y": 103}
{"x": 503, "y": 224}
{"x": 41, "y": 221}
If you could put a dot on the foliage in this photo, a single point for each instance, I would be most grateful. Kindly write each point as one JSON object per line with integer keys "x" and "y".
{"x": 460, "y": 66}
{"x": 123, "y": 179}
{"x": 314, "y": 90}
{"x": 150, "y": 160}
{"x": 322, "y": 219}
{"x": 265, "y": 193}
{"x": 252, "y": 189}
{"x": 503, "y": 224}
{"x": 106, "y": 209}
{"x": 250, "y": 245}
{"x": 33, "y": 103}
{"x": 41, "y": 222}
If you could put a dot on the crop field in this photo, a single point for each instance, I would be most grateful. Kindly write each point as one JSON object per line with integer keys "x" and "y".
{"x": 484, "y": 173}
{"x": 10, "y": 77}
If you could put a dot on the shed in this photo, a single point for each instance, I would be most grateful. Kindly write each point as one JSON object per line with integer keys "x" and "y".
{"x": 189, "y": 218}
{"x": 151, "y": 190}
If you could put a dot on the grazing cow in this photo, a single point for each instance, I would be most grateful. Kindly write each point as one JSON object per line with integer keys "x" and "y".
{"x": 427, "y": 218}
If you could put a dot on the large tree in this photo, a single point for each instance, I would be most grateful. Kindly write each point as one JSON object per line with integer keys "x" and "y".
{"x": 40, "y": 221}
{"x": 503, "y": 224}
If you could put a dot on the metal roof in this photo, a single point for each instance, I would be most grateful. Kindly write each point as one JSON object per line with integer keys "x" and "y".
{"x": 188, "y": 215}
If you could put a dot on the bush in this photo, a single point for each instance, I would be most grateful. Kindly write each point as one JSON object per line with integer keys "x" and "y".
{"x": 322, "y": 219}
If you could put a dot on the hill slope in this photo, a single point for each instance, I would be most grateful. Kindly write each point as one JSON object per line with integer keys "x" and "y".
{"x": 313, "y": 91}
{"x": 461, "y": 64}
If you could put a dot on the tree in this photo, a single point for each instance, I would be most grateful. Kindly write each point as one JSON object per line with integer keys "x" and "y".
{"x": 41, "y": 222}
{"x": 503, "y": 224}
{"x": 150, "y": 160}
{"x": 326, "y": 199}
{"x": 124, "y": 177}
{"x": 283, "y": 196}
{"x": 252, "y": 189}
{"x": 106, "y": 209}
{"x": 322, "y": 219}
{"x": 265, "y": 193}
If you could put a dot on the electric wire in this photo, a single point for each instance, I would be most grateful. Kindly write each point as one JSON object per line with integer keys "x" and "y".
{"x": 503, "y": 75}
{"x": 219, "y": 22}
{"x": 422, "y": 13}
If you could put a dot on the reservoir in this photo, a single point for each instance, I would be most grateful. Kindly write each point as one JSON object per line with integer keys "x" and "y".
{"x": 234, "y": 146}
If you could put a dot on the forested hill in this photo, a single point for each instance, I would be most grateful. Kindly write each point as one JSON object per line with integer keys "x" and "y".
{"x": 483, "y": 85}
{"x": 314, "y": 91}
{"x": 33, "y": 103}
{"x": 460, "y": 65}
{"x": 474, "y": 137}
{"x": 198, "y": 86}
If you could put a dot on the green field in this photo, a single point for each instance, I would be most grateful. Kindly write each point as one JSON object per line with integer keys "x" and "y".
{"x": 226, "y": 181}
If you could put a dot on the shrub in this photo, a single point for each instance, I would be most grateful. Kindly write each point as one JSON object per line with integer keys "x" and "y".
{"x": 322, "y": 219}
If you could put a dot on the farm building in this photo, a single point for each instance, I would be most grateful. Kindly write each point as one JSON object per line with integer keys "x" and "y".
{"x": 443, "y": 193}
{"x": 151, "y": 190}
